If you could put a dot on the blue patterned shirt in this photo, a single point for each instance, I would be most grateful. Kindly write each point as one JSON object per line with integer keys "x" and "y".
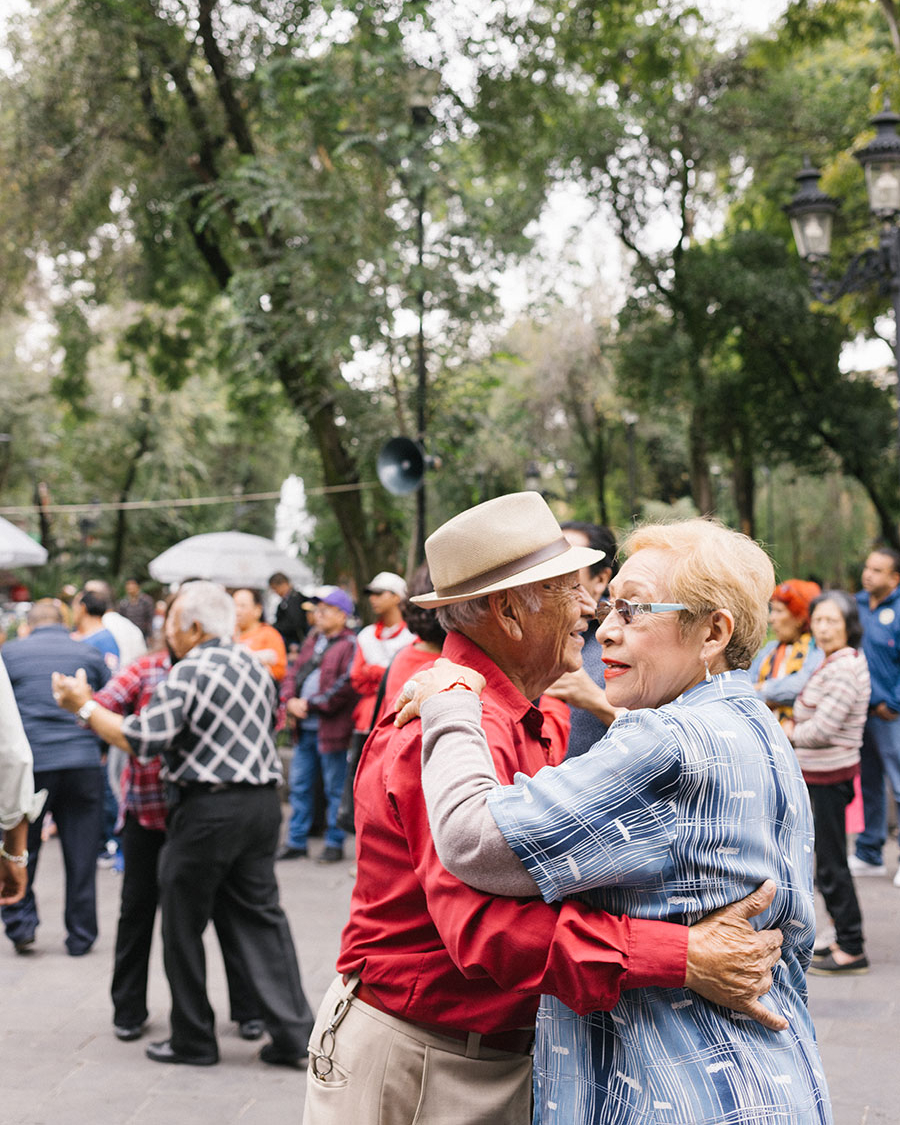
{"x": 676, "y": 812}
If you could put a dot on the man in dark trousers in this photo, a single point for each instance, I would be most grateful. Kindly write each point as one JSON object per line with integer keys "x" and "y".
{"x": 211, "y": 719}
{"x": 67, "y": 765}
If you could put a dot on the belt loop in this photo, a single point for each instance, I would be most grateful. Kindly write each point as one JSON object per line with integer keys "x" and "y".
{"x": 473, "y": 1045}
{"x": 350, "y": 985}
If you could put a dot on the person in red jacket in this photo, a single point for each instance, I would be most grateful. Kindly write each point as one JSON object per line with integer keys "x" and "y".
{"x": 319, "y": 701}
{"x": 378, "y": 644}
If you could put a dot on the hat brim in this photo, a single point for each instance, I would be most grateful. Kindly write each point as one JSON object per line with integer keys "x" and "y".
{"x": 573, "y": 559}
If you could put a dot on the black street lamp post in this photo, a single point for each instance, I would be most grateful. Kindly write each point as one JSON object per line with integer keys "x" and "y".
{"x": 811, "y": 212}
{"x": 424, "y": 83}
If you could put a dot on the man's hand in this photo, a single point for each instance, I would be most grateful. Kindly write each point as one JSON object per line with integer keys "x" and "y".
{"x": 730, "y": 963}
{"x": 14, "y": 876}
{"x": 13, "y": 882}
{"x": 71, "y": 692}
{"x": 884, "y": 712}
{"x": 297, "y": 708}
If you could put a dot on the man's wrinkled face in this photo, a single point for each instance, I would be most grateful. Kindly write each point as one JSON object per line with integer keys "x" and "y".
{"x": 554, "y": 634}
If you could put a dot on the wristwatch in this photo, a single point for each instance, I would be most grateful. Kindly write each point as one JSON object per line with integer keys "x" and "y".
{"x": 84, "y": 712}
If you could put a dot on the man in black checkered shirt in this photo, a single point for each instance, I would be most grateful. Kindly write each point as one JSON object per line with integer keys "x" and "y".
{"x": 212, "y": 719}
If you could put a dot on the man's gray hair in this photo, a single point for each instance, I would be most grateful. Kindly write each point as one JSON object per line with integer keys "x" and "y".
{"x": 210, "y": 605}
{"x": 463, "y": 616}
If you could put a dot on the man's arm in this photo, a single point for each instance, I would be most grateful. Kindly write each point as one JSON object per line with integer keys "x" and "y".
{"x": 72, "y": 692}
{"x": 13, "y": 874}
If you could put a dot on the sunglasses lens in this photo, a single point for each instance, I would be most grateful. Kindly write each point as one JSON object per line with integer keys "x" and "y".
{"x": 623, "y": 609}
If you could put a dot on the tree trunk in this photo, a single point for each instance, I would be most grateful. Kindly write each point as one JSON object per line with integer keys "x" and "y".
{"x": 744, "y": 486}
{"x": 701, "y": 485}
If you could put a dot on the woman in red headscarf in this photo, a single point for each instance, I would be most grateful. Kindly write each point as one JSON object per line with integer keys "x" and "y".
{"x": 783, "y": 666}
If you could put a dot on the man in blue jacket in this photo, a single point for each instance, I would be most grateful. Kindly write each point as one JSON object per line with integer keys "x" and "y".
{"x": 879, "y": 611}
{"x": 67, "y": 765}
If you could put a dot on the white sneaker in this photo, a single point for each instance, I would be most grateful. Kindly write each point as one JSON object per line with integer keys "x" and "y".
{"x": 897, "y": 878}
{"x": 861, "y": 869}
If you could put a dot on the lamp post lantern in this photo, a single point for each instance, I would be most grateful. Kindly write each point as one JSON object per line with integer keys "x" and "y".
{"x": 811, "y": 212}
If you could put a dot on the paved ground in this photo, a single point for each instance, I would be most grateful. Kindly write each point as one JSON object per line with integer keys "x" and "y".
{"x": 61, "y": 1065}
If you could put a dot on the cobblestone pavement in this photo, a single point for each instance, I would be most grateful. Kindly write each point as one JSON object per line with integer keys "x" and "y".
{"x": 61, "y": 1064}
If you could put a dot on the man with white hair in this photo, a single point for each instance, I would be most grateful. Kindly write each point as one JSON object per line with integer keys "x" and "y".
{"x": 212, "y": 720}
{"x": 432, "y": 1014}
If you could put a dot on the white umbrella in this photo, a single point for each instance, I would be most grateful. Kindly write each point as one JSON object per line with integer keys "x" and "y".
{"x": 230, "y": 557}
{"x": 17, "y": 548}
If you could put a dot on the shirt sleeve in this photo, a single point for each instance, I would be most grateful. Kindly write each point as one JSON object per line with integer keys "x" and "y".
{"x": 121, "y": 692}
{"x": 457, "y": 775}
{"x": 838, "y": 698}
{"x": 783, "y": 690}
{"x": 17, "y": 796}
{"x": 607, "y": 818}
{"x": 160, "y": 722}
{"x": 583, "y": 956}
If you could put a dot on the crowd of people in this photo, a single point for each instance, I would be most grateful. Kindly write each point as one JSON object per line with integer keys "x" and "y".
{"x": 585, "y": 798}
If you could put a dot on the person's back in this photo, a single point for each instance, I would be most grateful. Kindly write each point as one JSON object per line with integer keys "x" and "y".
{"x": 723, "y": 812}
{"x": 57, "y": 741}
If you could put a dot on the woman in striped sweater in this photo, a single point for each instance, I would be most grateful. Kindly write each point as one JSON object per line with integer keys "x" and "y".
{"x": 826, "y": 730}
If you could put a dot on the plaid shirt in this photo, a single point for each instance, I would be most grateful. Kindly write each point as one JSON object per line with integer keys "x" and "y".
{"x": 211, "y": 719}
{"x": 127, "y": 694}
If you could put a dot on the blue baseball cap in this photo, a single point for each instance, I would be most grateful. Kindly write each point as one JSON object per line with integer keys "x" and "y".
{"x": 334, "y": 595}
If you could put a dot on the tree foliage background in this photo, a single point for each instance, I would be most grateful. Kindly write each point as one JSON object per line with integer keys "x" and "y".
{"x": 223, "y": 221}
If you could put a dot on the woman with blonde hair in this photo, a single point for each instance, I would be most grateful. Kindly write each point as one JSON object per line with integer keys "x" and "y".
{"x": 692, "y": 799}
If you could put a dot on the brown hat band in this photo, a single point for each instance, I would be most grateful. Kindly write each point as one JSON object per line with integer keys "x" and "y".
{"x": 499, "y": 573}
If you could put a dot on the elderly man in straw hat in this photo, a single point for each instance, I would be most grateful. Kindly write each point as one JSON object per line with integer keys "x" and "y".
{"x": 421, "y": 1022}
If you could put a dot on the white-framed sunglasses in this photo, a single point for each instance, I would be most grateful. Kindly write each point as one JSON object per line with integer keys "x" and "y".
{"x": 628, "y": 611}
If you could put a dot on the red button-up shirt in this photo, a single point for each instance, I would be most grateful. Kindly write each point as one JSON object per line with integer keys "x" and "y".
{"x": 438, "y": 952}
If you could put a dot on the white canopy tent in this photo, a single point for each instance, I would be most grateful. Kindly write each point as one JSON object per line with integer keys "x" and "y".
{"x": 232, "y": 558}
{"x": 17, "y": 548}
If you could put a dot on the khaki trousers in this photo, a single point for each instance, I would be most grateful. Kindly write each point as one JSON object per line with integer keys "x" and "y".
{"x": 373, "y": 1069}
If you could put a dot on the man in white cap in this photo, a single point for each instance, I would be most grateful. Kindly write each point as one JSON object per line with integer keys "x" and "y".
{"x": 378, "y": 644}
{"x": 428, "y": 965}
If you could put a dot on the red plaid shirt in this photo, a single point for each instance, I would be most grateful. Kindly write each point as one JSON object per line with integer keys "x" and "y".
{"x": 127, "y": 694}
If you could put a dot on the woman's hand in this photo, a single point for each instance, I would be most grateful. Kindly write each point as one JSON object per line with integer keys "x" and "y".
{"x": 441, "y": 676}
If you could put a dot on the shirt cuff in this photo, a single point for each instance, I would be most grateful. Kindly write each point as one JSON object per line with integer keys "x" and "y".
{"x": 657, "y": 955}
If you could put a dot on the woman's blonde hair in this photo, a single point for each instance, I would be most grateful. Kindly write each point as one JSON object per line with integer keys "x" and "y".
{"x": 713, "y": 567}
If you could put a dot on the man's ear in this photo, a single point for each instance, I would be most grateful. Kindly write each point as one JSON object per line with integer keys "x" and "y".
{"x": 718, "y": 634}
{"x": 506, "y": 613}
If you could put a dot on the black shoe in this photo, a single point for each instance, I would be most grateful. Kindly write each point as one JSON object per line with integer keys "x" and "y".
{"x": 24, "y": 946}
{"x": 821, "y": 952}
{"x": 271, "y": 1055}
{"x": 331, "y": 854}
{"x": 287, "y": 852}
{"x": 128, "y": 1033}
{"x": 828, "y": 967}
{"x": 251, "y": 1029}
{"x": 164, "y": 1053}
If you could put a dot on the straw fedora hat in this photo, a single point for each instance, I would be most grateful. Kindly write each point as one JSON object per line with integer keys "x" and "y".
{"x": 506, "y": 542}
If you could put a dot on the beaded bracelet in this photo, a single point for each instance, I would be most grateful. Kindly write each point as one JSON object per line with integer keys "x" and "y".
{"x": 18, "y": 860}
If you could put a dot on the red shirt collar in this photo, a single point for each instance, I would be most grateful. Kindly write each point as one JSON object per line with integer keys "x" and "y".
{"x": 499, "y": 687}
